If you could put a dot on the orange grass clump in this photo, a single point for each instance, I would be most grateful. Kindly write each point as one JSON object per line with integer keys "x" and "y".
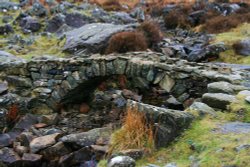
{"x": 135, "y": 133}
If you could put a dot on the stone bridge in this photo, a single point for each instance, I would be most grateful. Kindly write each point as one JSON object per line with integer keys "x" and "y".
{"x": 43, "y": 83}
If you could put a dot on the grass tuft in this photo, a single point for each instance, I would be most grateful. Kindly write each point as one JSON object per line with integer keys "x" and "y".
{"x": 134, "y": 134}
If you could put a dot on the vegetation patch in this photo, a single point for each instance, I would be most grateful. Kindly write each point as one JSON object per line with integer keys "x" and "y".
{"x": 43, "y": 45}
{"x": 135, "y": 133}
{"x": 241, "y": 108}
{"x": 229, "y": 38}
{"x": 201, "y": 145}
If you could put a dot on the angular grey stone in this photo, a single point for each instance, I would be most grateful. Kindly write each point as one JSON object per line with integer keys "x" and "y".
{"x": 87, "y": 138}
{"x": 3, "y": 87}
{"x": 224, "y": 87}
{"x": 218, "y": 100}
{"x": 244, "y": 93}
{"x": 202, "y": 109}
{"x": 92, "y": 38}
{"x": 8, "y": 156}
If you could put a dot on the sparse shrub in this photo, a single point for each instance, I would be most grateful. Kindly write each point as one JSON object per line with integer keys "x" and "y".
{"x": 127, "y": 41}
{"x": 12, "y": 114}
{"x": 176, "y": 19}
{"x": 112, "y": 5}
{"x": 221, "y": 24}
{"x": 151, "y": 31}
{"x": 134, "y": 134}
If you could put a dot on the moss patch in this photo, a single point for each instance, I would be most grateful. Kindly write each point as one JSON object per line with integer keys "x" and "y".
{"x": 229, "y": 38}
{"x": 200, "y": 144}
{"x": 241, "y": 109}
{"x": 43, "y": 45}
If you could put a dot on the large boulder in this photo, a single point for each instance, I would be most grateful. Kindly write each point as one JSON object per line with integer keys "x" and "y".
{"x": 218, "y": 100}
{"x": 92, "y": 38}
{"x": 168, "y": 124}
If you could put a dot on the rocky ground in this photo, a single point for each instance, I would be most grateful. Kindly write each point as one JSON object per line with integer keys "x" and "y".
{"x": 65, "y": 102}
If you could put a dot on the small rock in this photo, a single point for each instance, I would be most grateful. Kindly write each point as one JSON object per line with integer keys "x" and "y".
{"x": 3, "y": 87}
{"x": 30, "y": 159}
{"x": 121, "y": 161}
{"x": 26, "y": 122}
{"x": 21, "y": 150}
{"x": 243, "y": 47}
{"x": 76, "y": 157}
{"x": 6, "y": 29}
{"x": 171, "y": 165}
{"x": 43, "y": 142}
{"x": 50, "y": 119}
{"x": 242, "y": 147}
{"x": 8, "y": 156}
{"x": 30, "y": 24}
{"x": 202, "y": 109}
{"x": 87, "y": 138}
{"x": 167, "y": 83}
{"x": 220, "y": 87}
{"x": 55, "y": 151}
{"x": 244, "y": 93}
{"x": 173, "y": 103}
{"x": 218, "y": 100}
{"x": 247, "y": 99}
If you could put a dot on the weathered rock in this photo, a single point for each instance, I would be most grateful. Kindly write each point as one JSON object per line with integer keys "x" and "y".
{"x": 76, "y": 157}
{"x": 242, "y": 147}
{"x": 26, "y": 122}
{"x": 243, "y": 47}
{"x": 92, "y": 38}
{"x": 167, "y": 83}
{"x": 87, "y": 138}
{"x": 55, "y": 23}
{"x": 6, "y": 139}
{"x": 3, "y": 87}
{"x": 173, "y": 103}
{"x": 202, "y": 109}
{"x": 30, "y": 24}
{"x": 247, "y": 99}
{"x": 51, "y": 119}
{"x": 6, "y": 29}
{"x": 38, "y": 10}
{"x": 8, "y": 156}
{"x": 6, "y": 57}
{"x": 43, "y": 142}
{"x": 244, "y": 93}
{"x": 168, "y": 123}
{"x": 234, "y": 127}
{"x": 55, "y": 151}
{"x": 77, "y": 20}
{"x": 30, "y": 159}
{"x": 121, "y": 161}
{"x": 218, "y": 100}
{"x": 224, "y": 87}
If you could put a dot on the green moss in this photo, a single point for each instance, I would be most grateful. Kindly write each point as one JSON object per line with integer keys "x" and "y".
{"x": 43, "y": 45}
{"x": 229, "y": 38}
{"x": 234, "y": 35}
{"x": 230, "y": 57}
{"x": 206, "y": 146}
{"x": 241, "y": 109}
